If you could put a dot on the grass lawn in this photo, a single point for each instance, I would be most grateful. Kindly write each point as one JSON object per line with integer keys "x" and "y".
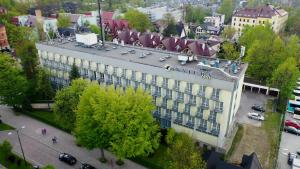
{"x": 46, "y": 117}
{"x": 4, "y": 126}
{"x": 158, "y": 160}
{"x": 17, "y": 164}
{"x": 236, "y": 141}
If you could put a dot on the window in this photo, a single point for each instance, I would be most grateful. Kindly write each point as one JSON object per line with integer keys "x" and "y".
{"x": 216, "y": 94}
{"x": 165, "y": 82}
{"x": 215, "y": 130}
{"x": 244, "y": 20}
{"x": 143, "y": 77}
{"x": 177, "y": 84}
{"x": 133, "y": 76}
{"x": 192, "y": 99}
{"x": 169, "y": 93}
{"x": 191, "y": 122}
{"x": 239, "y": 24}
{"x": 212, "y": 117}
{"x": 205, "y": 102}
{"x": 219, "y": 106}
{"x": 253, "y": 21}
{"x": 240, "y": 20}
{"x": 247, "y": 20}
{"x": 123, "y": 72}
{"x": 202, "y": 125}
{"x": 187, "y": 109}
{"x": 233, "y": 24}
{"x": 153, "y": 79}
{"x": 199, "y": 113}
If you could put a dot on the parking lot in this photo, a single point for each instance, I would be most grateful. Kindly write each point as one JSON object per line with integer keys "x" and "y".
{"x": 248, "y": 99}
{"x": 289, "y": 143}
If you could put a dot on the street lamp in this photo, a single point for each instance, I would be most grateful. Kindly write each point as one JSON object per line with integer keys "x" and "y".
{"x": 17, "y": 130}
{"x": 100, "y": 22}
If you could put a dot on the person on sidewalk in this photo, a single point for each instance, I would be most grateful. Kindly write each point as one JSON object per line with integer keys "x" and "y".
{"x": 54, "y": 140}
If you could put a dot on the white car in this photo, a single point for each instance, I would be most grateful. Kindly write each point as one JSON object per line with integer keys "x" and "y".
{"x": 256, "y": 116}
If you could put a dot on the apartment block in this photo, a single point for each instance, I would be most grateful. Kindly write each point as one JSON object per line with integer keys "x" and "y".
{"x": 196, "y": 95}
{"x": 275, "y": 16}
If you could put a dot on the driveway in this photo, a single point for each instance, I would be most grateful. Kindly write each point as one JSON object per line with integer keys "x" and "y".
{"x": 289, "y": 143}
{"x": 40, "y": 150}
{"x": 248, "y": 99}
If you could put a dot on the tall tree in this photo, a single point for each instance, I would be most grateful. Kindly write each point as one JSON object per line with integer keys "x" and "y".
{"x": 43, "y": 88}
{"x": 285, "y": 78}
{"x": 228, "y": 33}
{"x": 91, "y": 127}
{"x": 170, "y": 30}
{"x": 293, "y": 48}
{"x": 66, "y": 101}
{"x": 138, "y": 20}
{"x": 13, "y": 83}
{"x": 27, "y": 52}
{"x": 63, "y": 21}
{"x": 134, "y": 131}
{"x": 74, "y": 74}
{"x": 95, "y": 29}
{"x": 226, "y": 8}
{"x": 195, "y": 14}
{"x": 184, "y": 155}
{"x": 293, "y": 22}
{"x": 229, "y": 51}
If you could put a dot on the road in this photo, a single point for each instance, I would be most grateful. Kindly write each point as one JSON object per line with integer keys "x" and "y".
{"x": 40, "y": 150}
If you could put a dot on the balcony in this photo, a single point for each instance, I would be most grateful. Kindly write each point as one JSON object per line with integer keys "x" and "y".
{"x": 201, "y": 94}
{"x": 168, "y": 96}
{"x": 153, "y": 82}
{"x": 215, "y": 132}
{"x": 164, "y": 104}
{"x": 218, "y": 109}
{"x": 178, "y": 121}
{"x": 168, "y": 117}
{"x": 156, "y": 94}
{"x": 180, "y": 99}
{"x": 143, "y": 80}
{"x": 177, "y": 88}
{"x": 165, "y": 85}
{"x": 187, "y": 111}
{"x": 192, "y": 102}
{"x": 214, "y": 97}
{"x": 190, "y": 124}
{"x": 204, "y": 106}
{"x": 156, "y": 114}
{"x": 199, "y": 115}
{"x": 175, "y": 108}
{"x": 188, "y": 91}
{"x": 202, "y": 129}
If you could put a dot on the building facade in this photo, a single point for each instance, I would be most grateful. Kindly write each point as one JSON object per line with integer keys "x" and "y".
{"x": 3, "y": 38}
{"x": 274, "y": 16}
{"x": 201, "y": 101}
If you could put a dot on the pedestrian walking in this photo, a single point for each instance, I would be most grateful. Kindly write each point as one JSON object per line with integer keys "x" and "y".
{"x": 54, "y": 140}
{"x": 43, "y": 131}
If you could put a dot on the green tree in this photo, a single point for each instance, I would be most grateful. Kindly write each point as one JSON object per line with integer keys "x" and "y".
{"x": 134, "y": 131}
{"x": 228, "y": 33}
{"x": 138, "y": 20}
{"x": 43, "y": 87}
{"x": 285, "y": 78}
{"x": 184, "y": 155}
{"x": 91, "y": 128}
{"x": 170, "y": 30}
{"x": 13, "y": 84}
{"x": 95, "y": 29}
{"x": 226, "y": 8}
{"x": 293, "y": 22}
{"x": 195, "y": 14}
{"x": 5, "y": 148}
{"x": 17, "y": 35}
{"x": 170, "y": 136}
{"x": 66, "y": 101}
{"x": 27, "y": 52}
{"x": 293, "y": 48}
{"x": 74, "y": 74}
{"x": 63, "y": 21}
{"x": 168, "y": 18}
{"x": 229, "y": 51}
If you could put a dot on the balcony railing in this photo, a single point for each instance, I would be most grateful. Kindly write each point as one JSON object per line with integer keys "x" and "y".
{"x": 190, "y": 124}
{"x": 143, "y": 80}
{"x": 218, "y": 109}
{"x": 188, "y": 91}
{"x": 201, "y": 129}
{"x": 156, "y": 93}
{"x": 204, "y": 106}
{"x": 175, "y": 108}
{"x": 177, "y": 88}
{"x": 187, "y": 111}
{"x": 201, "y": 94}
{"x": 215, "y": 97}
{"x": 178, "y": 121}
{"x": 168, "y": 117}
{"x": 165, "y": 85}
{"x": 164, "y": 104}
{"x": 192, "y": 102}
{"x": 179, "y": 99}
{"x": 199, "y": 115}
{"x": 153, "y": 82}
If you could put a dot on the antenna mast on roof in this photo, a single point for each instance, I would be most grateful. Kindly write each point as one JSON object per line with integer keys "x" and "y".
{"x": 100, "y": 22}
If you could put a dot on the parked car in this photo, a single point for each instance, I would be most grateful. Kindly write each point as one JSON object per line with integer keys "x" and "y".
{"x": 86, "y": 166}
{"x": 67, "y": 158}
{"x": 292, "y": 130}
{"x": 291, "y": 157}
{"x": 256, "y": 116}
{"x": 298, "y": 151}
{"x": 258, "y": 108}
{"x": 292, "y": 123}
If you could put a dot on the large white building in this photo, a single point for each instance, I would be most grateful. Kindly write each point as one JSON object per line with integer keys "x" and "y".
{"x": 199, "y": 96}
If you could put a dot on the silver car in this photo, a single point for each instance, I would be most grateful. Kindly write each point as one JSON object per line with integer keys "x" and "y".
{"x": 256, "y": 116}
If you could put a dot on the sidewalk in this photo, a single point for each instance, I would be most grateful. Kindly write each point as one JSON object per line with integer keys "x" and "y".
{"x": 66, "y": 143}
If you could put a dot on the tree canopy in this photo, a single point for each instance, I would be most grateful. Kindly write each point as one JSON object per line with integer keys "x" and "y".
{"x": 138, "y": 20}
{"x": 228, "y": 33}
{"x": 226, "y": 8}
{"x": 13, "y": 83}
{"x": 184, "y": 155}
{"x": 293, "y": 22}
{"x": 74, "y": 74}
{"x": 66, "y": 101}
{"x": 195, "y": 14}
{"x": 63, "y": 21}
{"x": 229, "y": 51}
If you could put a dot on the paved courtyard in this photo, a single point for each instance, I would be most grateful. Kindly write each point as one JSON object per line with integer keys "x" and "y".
{"x": 248, "y": 99}
{"x": 40, "y": 150}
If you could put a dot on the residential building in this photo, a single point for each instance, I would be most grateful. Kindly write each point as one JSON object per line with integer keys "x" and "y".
{"x": 193, "y": 94}
{"x": 267, "y": 14}
{"x": 3, "y": 38}
{"x": 157, "y": 13}
{"x": 217, "y": 20}
{"x": 248, "y": 162}
{"x": 207, "y": 29}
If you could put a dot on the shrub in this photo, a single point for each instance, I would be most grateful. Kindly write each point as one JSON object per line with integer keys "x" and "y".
{"x": 119, "y": 162}
{"x": 170, "y": 136}
{"x": 11, "y": 158}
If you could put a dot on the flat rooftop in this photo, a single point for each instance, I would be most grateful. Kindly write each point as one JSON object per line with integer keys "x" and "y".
{"x": 217, "y": 68}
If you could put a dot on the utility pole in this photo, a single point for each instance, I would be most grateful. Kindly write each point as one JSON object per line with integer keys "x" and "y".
{"x": 21, "y": 147}
{"x": 100, "y": 22}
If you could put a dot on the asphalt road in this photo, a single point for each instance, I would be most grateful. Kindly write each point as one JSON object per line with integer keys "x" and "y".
{"x": 40, "y": 150}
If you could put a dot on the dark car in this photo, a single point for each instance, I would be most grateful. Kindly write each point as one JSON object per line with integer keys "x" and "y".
{"x": 292, "y": 130}
{"x": 258, "y": 108}
{"x": 86, "y": 166}
{"x": 67, "y": 158}
{"x": 291, "y": 157}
